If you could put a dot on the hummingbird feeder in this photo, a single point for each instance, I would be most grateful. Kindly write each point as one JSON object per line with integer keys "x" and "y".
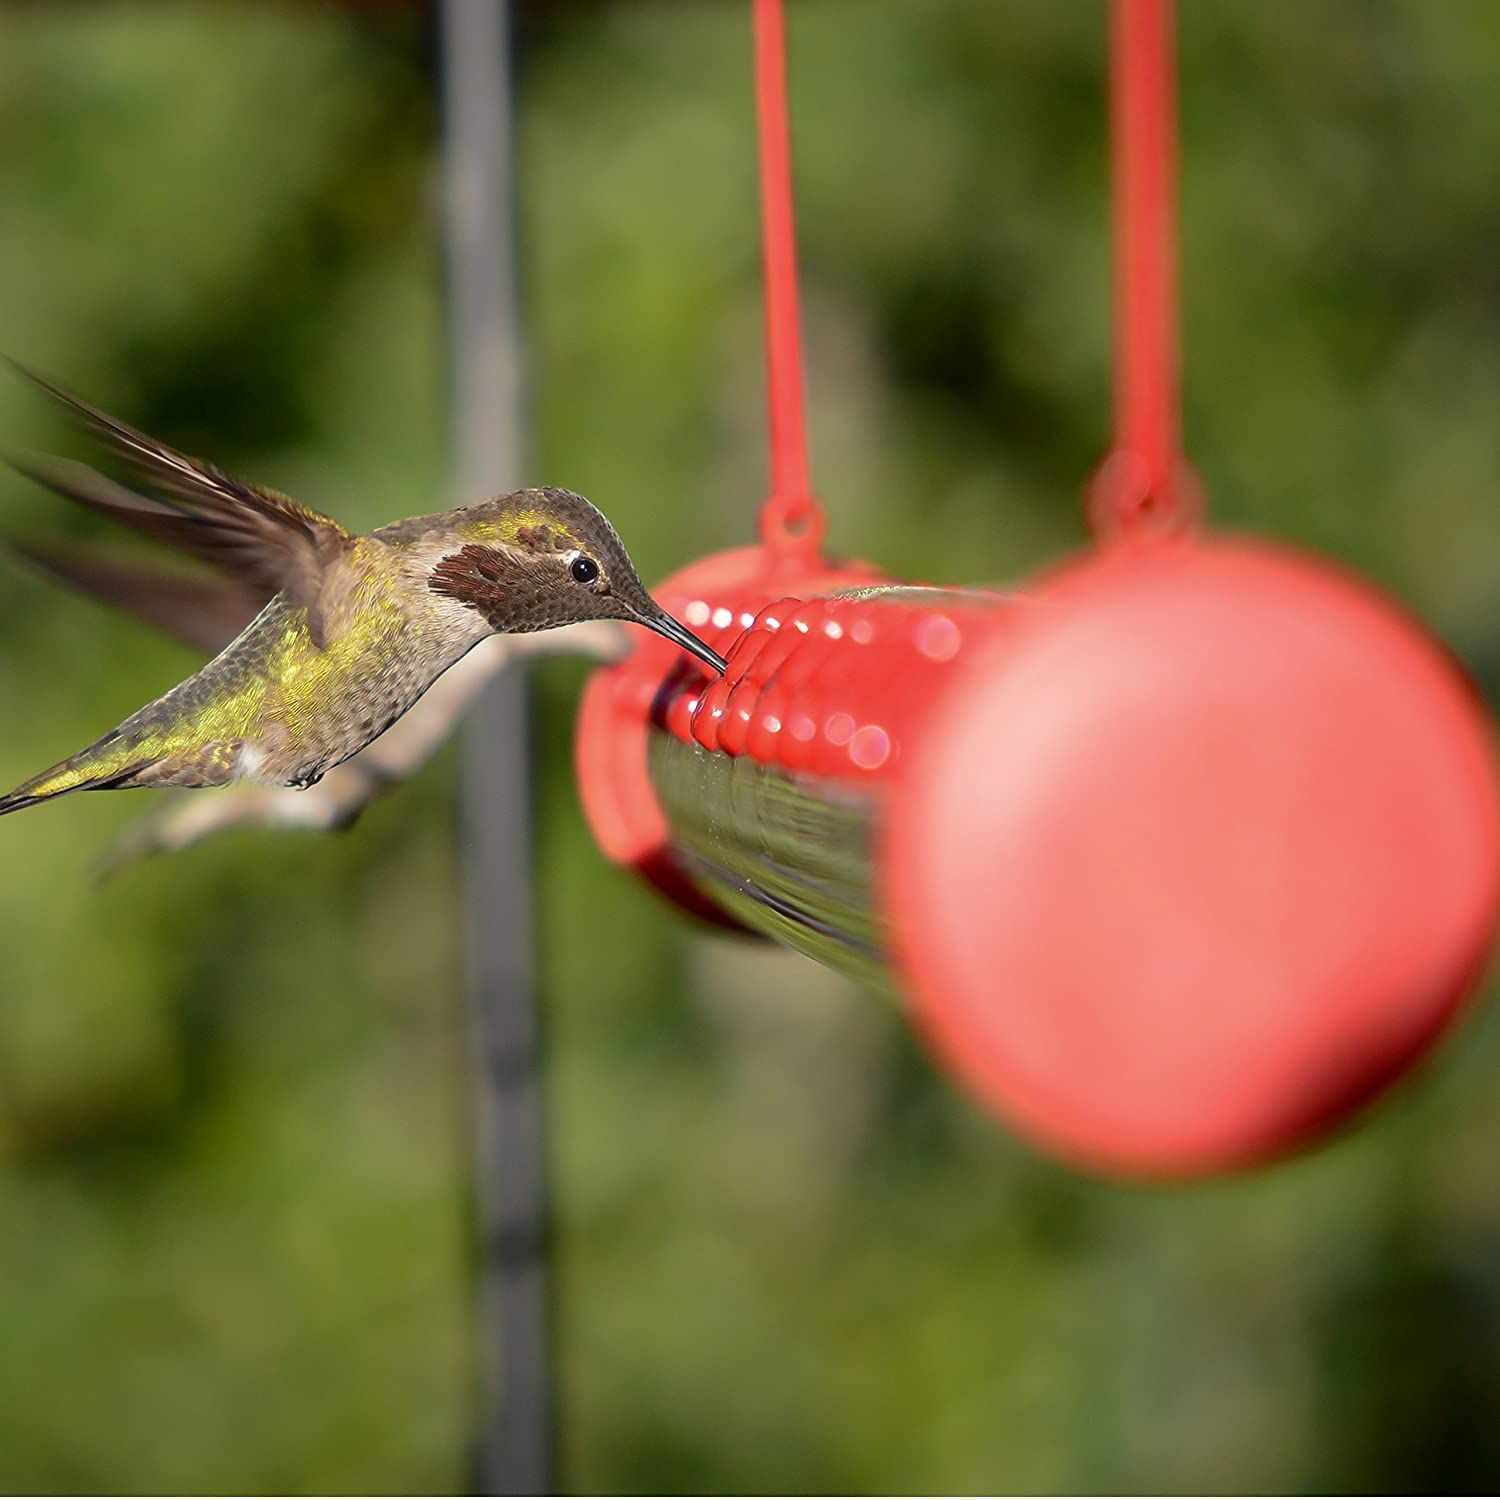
{"x": 1177, "y": 855}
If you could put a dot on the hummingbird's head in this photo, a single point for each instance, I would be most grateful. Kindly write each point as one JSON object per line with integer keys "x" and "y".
{"x": 540, "y": 558}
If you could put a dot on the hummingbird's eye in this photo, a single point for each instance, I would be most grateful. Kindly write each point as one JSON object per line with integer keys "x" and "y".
{"x": 584, "y": 570}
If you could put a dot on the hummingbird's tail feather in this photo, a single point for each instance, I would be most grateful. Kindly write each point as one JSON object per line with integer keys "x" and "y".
{"x": 69, "y": 776}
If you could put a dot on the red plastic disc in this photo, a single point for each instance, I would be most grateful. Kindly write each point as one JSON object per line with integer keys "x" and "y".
{"x": 1196, "y": 860}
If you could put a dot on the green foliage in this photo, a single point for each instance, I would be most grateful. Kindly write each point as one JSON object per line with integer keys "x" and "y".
{"x": 232, "y": 1113}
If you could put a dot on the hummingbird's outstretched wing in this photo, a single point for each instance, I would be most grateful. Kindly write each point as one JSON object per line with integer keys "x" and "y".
{"x": 203, "y": 611}
{"x": 268, "y": 541}
{"x": 89, "y": 488}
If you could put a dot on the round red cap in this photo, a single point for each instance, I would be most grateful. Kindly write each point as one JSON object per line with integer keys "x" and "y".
{"x": 1198, "y": 859}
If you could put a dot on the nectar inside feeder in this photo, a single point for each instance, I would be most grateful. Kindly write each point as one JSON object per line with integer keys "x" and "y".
{"x": 1177, "y": 856}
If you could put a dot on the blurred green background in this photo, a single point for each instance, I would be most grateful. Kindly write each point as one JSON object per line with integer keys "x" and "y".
{"x": 233, "y": 1128}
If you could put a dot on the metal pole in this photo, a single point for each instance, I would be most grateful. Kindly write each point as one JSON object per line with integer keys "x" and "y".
{"x": 513, "y": 1449}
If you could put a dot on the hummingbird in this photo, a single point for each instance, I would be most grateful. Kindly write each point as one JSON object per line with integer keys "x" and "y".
{"x": 354, "y": 627}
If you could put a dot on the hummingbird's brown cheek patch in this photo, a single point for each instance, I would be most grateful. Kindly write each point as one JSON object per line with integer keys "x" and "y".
{"x": 475, "y": 575}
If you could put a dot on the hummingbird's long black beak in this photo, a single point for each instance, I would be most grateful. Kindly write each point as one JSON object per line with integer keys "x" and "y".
{"x": 663, "y": 624}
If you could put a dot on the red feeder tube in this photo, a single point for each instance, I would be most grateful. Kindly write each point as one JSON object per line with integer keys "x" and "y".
{"x": 1178, "y": 856}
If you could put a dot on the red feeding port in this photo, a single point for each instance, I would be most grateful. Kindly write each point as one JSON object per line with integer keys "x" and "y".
{"x": 717, "y": 598}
